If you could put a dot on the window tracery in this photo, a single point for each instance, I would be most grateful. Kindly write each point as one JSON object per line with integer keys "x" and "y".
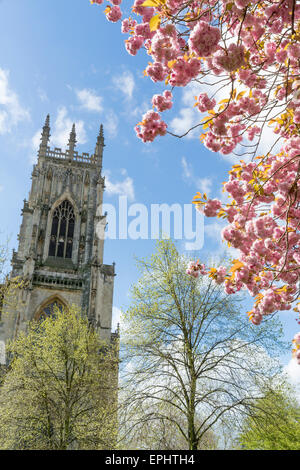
{"x": 49, "y": 309}
{"x": 62, "y": 231}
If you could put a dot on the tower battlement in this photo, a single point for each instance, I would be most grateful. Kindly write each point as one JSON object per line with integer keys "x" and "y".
{"x": 58, "y": 154}
{"x": 70, "y": 154}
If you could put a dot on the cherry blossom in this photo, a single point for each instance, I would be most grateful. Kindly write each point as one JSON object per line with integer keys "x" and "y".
{"x": 250, "y": 50}
{"x": 151, "y": 126}
{"x": 162, "y": 102}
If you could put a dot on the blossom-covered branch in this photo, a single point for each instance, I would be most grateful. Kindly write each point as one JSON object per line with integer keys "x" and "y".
{"x": 249, "y": 51}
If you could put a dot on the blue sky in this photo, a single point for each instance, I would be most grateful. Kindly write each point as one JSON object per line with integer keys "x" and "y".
{"x": 66, "y": 59}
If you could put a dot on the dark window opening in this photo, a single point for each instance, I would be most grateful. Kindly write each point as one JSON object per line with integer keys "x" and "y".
{"x": 51, "y": 309}
{"x": 62, "y": 231}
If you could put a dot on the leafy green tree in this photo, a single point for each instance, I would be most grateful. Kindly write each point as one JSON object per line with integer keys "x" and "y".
{"x": 188, "y": 347}
{"x": 3, "y": 261}
{"x": 10, "y": 287}
{"x": 10, "y": 290}
{"x": 60, "y": 390}
{"x": 273, "y": 424}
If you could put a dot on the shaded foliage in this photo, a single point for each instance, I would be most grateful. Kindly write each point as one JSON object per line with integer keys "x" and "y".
{"x": 60, "y": 390}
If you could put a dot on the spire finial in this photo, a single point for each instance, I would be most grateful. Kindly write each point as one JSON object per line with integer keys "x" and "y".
{"x": 101, "y": 135}
{"x": 99, "y": 145}
{"x": 47, "y": 121}
{"x": 72, "y": 142}
{"x": 100, "y": 138}
{"x": 45, "y": 136}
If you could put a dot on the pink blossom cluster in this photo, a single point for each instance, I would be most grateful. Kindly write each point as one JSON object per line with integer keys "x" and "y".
{"x": 165, "y": 45}
{"x": 252, "y": 132}
{"x": 163, "y": 102}
{"x": 269, "y": 243}
{"x": 231, "y": 59}
{"x": 195, "y": 269}
{"x": 128, "y": 25}
{"x": 133, "y": 44}
{"x": 252, "y": 48}
{"x": 204, "y": 103}
{"x": 157, "y": 72}
{"x": 204, "y": 39}
{"x": 211, "y": 208}
{"x": 183, "y": 71}
{"x": 296, "y": 341}
{"x": 114, "y": 13}
{"x": 145, "y": 12}
{"x": 151, "y": 126}
{"x": 220, "y": 274}
{"x": 226, "y": 129}
{"x": 178, "y": 57}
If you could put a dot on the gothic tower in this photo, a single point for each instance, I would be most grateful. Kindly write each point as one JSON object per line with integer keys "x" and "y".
{"x": 60, "y": 252}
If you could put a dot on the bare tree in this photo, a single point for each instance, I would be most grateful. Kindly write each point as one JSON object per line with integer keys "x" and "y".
{"x": 188, "y": 348}
{"x": 151, "y": 431}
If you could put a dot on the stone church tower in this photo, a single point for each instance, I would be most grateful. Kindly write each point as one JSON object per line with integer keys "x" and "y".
{"x": 60, "y": 253}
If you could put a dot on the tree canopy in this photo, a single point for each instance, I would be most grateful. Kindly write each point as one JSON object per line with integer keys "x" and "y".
{"x": 188, "y": 348}
{"x": 274, "y": 423}
{"x": 60, "y": 391}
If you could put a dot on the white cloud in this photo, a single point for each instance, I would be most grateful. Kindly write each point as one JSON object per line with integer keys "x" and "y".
{"x": 268, "y": 139}
{"x": 11, "y": 111}
{"x": 187, "y": 119}
{"x": 60, "y": 132}
{"x": 189, "y": 92}
{"x": 213, "y": 230}
{"x": 89, "y": 100}
{"x": 62, "y": 128}
{"x": 1, "y": 188}
{"x": 224, "y": 196}
{"x": 293, "y": 371}
{"x": 35, "y": 140}
{"x": 211, "y": 85}
{"x": 187, "y": 170}
{"x": 42, "y": 95}
{"x": 111, "y": 124}
{"x": 139, "y": 110}
{"x": 120, "y": 188}
{"x": 116, "y": 318}
{"x": 125, "y": 83}
{"x": 203, "y": 185}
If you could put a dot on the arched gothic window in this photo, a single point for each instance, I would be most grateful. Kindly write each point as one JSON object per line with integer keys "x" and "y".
{"x": 62, "y": 231}
{"x": 49, "y": 309}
